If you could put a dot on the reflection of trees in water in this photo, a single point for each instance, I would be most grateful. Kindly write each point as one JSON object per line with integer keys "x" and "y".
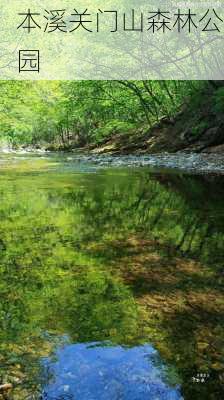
{"x": 182, "y": 302}
{"x": 201, "y": 215}
{"x": 48, "y": 283}
{"x": 182, "y": 210}
{"x": 59, "y": 247}
{"x": 145, "y": 229}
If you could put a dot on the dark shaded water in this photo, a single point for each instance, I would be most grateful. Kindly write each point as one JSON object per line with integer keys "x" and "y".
{"x": 111, "y": 280}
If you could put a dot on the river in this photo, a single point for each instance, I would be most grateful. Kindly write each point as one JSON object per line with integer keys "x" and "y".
{"x": 111, "y": 277}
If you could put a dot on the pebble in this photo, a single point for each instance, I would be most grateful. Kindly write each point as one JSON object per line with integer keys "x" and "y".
{"x": 192, "y": 162}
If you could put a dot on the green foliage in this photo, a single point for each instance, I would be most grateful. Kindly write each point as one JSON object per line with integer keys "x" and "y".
{"x": 198, "y": 89}
{"x": 29, "y": 111}
{"x": 113, "y": 127}
{"x": 219, "y": 101}
{"x": 199, "y": 128}
{"x": 70, "y": 114}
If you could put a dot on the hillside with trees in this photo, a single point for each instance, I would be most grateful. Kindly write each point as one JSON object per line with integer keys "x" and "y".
{"x": 116, "y": 116}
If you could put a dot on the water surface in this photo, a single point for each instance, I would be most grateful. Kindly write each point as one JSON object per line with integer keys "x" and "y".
{"x": 111, "y": 280}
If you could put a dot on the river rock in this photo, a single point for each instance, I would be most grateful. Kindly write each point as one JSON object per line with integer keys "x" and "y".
{"x": 6, "y": 387}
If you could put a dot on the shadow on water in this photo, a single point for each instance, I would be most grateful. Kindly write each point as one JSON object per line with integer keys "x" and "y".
{"x": 125, "y": 257}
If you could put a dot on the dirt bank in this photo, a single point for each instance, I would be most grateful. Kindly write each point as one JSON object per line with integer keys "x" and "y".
{"x": 197, "y": 127}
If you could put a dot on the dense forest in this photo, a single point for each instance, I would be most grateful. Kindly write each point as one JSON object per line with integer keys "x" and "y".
{"x": 69, "y": 114}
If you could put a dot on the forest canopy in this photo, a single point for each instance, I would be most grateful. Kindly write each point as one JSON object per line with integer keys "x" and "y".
{"x": 74, "y": 113}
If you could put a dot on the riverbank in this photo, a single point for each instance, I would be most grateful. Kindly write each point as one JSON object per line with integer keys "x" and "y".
{"x": 192, "y": 163}
{"x": 197, "y": 127}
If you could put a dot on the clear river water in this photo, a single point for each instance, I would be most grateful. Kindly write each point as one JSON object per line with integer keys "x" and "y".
{"x": 111, "y": 277}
